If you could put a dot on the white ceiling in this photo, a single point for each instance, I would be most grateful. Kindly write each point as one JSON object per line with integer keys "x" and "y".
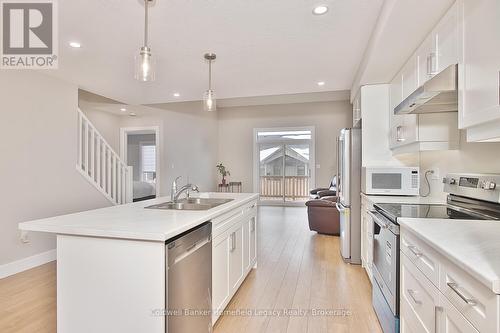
{"x": 263, "y": 47}
{"x": 402, "y": 26}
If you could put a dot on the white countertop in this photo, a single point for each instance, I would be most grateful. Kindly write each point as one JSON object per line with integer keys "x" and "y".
{"x": 403, "y": 199}
{"x": 472, "y": 245}
{"x": 132, "y": 221}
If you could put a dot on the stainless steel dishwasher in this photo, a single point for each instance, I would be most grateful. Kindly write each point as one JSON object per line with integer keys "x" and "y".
{"x": 189, "y": 281}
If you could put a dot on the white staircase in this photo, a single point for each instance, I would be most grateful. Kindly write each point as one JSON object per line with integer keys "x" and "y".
{"x": 101, "y": 165}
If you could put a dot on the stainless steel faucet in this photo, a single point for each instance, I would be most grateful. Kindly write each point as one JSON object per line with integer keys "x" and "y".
{"x": 175, "y": 193}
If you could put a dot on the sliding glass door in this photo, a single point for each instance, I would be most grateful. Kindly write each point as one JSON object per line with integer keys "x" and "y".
{"x": 285, "y": 165}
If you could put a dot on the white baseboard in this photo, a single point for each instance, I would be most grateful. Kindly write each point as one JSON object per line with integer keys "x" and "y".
{"x": 24, "y": 264}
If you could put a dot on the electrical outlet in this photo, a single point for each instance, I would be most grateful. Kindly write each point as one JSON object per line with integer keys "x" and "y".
{"x": 435, "y": 175}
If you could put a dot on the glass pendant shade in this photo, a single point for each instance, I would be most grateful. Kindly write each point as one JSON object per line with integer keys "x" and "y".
{"x": 209, "y": 101}
{"x": 145, "y": 65}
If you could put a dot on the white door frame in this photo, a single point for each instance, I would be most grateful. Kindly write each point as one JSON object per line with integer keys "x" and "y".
{"x": 125, "y": 131}
{"x": 256, "y": 158}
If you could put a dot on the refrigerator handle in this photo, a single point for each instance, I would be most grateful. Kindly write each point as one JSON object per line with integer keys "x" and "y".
{"x": 338, "y": 167}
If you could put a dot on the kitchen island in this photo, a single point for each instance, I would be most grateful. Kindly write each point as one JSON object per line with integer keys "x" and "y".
{"x": 112, "y": 262}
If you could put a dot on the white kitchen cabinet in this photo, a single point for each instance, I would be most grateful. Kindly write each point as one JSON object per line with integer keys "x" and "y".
{"x": 396, "y": 91}
{"x": 409, "y": 77}
{"x": 424, "y": 59}
{"x": 367, "y": 237}
{"x": 419, "y": 298}
{"x": 423, "y": 132}
{"x": 451, "y": 320}
{"x": 246, "y": 244}
{"x": 356, "y": 110}
{"x": 220, "y": 273}
{"x": 253, "y": 239}
{"x": 395, "y": 122}
{"x": 234, "y": 253}
{"x": 446, "y": 41}
{"x": 235, "y": 256}
{"x": 479, "y": 75}
{"x": 437, "y": 295}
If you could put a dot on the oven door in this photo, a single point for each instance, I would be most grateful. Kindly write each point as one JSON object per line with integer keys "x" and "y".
{"x": 386, "y": 258}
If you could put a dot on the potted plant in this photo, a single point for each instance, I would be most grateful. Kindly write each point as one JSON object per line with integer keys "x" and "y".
{"x": 223, "y": 171}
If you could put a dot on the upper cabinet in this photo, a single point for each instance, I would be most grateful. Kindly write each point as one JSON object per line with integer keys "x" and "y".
{"x": 423, "y": 132}
{"x": 356, "y": 110}
{"x": 440, "y": 49}
{"x": 445, "y": 40}
{"x": 479, "y": 72}
{"x": 425, "y": 55}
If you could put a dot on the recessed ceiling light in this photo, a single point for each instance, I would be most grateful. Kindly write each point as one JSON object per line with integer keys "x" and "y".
{"x": 123, "y": 109}
{"x": 320, "y": 10}
{"x": 177, "y": 95}
{"x": 132, "y": 114}
{"x": 75, "y": 45}
{"x": 321, "y": 83}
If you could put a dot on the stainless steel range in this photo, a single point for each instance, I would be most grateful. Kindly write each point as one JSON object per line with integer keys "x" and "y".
{"x": 470, "y": 197}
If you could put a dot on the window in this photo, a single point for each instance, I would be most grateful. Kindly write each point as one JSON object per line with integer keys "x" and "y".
{"x": 148, "y": 163}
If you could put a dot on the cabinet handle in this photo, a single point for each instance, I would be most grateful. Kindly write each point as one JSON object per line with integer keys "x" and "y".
{"x": 234, "y": 241}
{"x": 432, "y": 66}
{"x": 399, "y": 134}
{"x": 415, "y": 251}
{"x": 412, "y": 296}
{"x": 428, "y": 66}
{"x": 454, "y": 287}
{"x": 252, "y": 225}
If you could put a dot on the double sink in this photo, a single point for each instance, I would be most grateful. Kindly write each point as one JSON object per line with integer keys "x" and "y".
{"x": 191, "y": 204}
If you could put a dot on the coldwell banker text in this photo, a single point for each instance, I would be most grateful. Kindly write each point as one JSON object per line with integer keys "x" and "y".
{"x": 29, "y": 34}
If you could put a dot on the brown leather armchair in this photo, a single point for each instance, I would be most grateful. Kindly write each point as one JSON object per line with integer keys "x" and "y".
{"x": 323, "y": 215}
{"x": 320, "y": 192}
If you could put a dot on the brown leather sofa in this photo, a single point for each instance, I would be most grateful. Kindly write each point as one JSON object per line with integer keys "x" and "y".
{"x": 323, "y": 215}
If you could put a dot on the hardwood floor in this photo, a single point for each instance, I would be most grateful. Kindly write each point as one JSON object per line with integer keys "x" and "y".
{"x": 28, "y": 301}
{"x": 297, "y": 269}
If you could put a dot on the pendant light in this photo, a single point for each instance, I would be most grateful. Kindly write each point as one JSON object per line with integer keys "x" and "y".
{"x": 145, "y": 62}
{"x": 209, "y": 102}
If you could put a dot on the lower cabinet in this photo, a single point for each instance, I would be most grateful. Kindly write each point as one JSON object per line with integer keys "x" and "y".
{"x": 367, "y": 237}
{"x": 220, "y": 274}
{"x": 234, "y": 253}
{"x": 444, "y": 299}
{"x": 236, "y": 256}
{"x": 452, "y": 321}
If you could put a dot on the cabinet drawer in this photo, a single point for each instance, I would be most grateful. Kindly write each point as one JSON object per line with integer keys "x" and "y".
{"x": 422, "y": 255}
{"x": 418, "y": 296}
{"x": 472, "y": 299}
{"x": 452, "y": 321}
{"x": 227, "y": 223}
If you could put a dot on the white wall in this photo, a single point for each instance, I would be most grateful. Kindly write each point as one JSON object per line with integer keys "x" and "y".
{"x": 236, "y": 124}
{"x": 107, "y": 124}
{"x": 472, "y": 158}
{"x": 188, "y": 139}
{"x": 37, "y": 170}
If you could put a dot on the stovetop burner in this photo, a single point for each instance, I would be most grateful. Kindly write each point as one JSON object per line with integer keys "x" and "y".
{"x": 395, "y": 210}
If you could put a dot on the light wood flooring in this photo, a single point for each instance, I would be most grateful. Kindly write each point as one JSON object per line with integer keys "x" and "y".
{"x": 297, "y": 269}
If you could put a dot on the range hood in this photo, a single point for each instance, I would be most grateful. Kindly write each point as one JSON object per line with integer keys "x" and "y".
{"x": 438, "y": 94}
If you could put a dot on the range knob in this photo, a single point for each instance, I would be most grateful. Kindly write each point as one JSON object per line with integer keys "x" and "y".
{"x": 490, "y": 186}
{"x": 453, "y": 181}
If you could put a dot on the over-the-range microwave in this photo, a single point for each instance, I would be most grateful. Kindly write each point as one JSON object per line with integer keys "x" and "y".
{"x": 390, "y": 180}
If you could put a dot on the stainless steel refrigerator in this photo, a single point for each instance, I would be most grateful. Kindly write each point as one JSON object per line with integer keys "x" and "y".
{"x": 348, "y": 193}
